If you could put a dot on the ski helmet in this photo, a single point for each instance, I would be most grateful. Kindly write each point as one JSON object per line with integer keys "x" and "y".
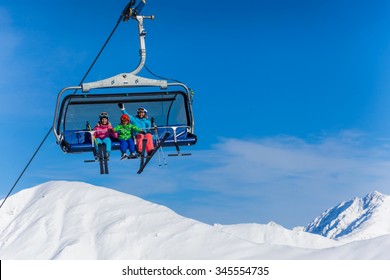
{"x": 125, "y": 117}
{"x": 142, "y": 109}
{"x": 103, "y": 115}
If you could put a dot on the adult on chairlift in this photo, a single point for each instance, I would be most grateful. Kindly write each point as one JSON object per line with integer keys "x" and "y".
{"x": 141, "y": 120}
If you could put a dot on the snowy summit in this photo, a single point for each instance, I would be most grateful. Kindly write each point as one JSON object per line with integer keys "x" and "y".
{"x": 356, "y": 219}
{"x": 74, "y": 220}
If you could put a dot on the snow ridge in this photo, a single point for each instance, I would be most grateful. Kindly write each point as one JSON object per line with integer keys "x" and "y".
{"x": 354, "y": 219}
{"x": 75, "y": 220}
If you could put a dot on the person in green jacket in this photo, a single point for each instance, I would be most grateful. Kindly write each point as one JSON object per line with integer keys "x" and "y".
{"x": 125, "y": 131}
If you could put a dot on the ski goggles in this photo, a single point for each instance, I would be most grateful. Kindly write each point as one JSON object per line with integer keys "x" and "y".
{"x": 142, "y": 110}
{"x": 103, "y": 115}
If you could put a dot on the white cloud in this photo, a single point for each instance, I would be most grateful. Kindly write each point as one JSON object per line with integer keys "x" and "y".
{"x": 340, "y": 161}
{"x": 284, "y": 172}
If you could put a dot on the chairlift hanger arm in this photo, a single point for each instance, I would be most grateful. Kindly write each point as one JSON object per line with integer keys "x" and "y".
{"x": 130, "y": 79}
{"x": 135, "y": 13}
{"x": 141, "y": 35}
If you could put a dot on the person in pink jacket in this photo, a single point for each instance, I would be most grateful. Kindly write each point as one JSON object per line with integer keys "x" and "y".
{"x": 104, "y": 132}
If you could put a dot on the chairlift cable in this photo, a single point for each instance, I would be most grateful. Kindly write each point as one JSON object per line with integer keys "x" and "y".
{"x": 25, "y": 168}
{"x": 160, "y": 77}
{"x": 121, "y": 17}
{"x": 168, "y": 79}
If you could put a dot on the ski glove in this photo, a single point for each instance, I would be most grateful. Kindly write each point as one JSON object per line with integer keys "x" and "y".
{"x": 121, "y": 106}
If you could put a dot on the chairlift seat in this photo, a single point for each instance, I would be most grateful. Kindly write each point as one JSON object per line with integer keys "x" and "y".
{"x": 78, "y": 141}
{"x": 169, "y": 109}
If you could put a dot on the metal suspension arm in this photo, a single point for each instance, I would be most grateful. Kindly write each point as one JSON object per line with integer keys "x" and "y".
{"x": 135, "y": 13}
{"x": 141, "y": 34}
{"x": 130, "y": 79}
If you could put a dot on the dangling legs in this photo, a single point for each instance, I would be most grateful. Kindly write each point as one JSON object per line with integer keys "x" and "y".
{"x": 149, "y": 142}
{"x": 130, "y": 143}
{"x": 98, "y": 142}
{"x": 139, "y": 139}
{"x": 123, "y": 148}
{"x": 107, "y": 141}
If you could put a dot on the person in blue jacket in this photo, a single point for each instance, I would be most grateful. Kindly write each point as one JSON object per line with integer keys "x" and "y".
{"x": 141, "y": 120}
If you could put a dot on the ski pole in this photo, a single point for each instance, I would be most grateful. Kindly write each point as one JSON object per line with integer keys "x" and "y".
{"x": 158, "y": 141}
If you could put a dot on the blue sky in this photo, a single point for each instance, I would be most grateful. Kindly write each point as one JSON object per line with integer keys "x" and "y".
{"x": 291, "y": 100}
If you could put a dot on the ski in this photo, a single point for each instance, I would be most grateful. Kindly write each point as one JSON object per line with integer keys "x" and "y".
{"x": 149, "y": 157}
{"x": 143, "y": 152}
{"x": 100, "y": 155}
{"x": 105, "y": 159}
{"x": 89, "y": 128}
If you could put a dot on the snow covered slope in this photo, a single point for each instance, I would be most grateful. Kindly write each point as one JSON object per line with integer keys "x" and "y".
{"x": 275, "y": 234}
{"x": 357, "y": 219}
{"x": 74, "y": 220}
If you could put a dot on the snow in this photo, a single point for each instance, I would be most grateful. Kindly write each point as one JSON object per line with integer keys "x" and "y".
{"x": 356, "y": 219}
{"x": 275, "y": 234}
{"x": 74, "y": 220}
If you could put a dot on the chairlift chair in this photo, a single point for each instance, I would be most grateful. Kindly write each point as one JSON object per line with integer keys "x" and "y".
{"x": 168, "y": 103}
